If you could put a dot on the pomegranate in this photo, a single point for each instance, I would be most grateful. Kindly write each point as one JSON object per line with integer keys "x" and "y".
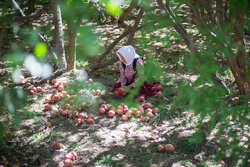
{"x": 124, "y": 118}
{"x": 98, "y": 92}
{"x": 148, "y": 110}
{"x": 156, "y": 110}
{"x": 64, "y": 112}
{"x": 169, "y": 148}
{"x": 68, "y": 163}
{"x": 111, "y": 113}
{"x": 101, "y": 111}
{"x": 141, "y": 98}
{"x": 56, "y": 85}
{"x": 81, "y": 115}
{"x": 70, "y": 156}
{"x": 128, "y": 114}
{"x": 32, "y": 92}
{"x": 90, "y": 121}
{"x": 53, "y": 81}
{"x": 161, "y": 148}
{"x": 90, "y": 80}
{"x": 122, "y": 91}
{"x": 48, "y": 124}
{"x": 79, "y": 120}
{"x": 67, "y": 106}
{"x": 150, "y": 115}
{"x": 181, "y": 65}
{"x": 147, "y": 105}
{"x": 47, "y": 107}
{"x": 34, "y": 88}
{"x": 9, "y": 80}
{"x": 140, "y": 108}
{"x": 105, "y": 106}
{"x": 76, "y": 114}
{"x": 153, "y": 165}
{"x": 47, "y": 100}
{"x": 60, "y": 88}
{"x": 119, "y": 111}
{"x": 138, "y": 114}
{"x": 57, "y": 145}
{"x": 39, "y": 89}
{"x": 56, "y": 97}
{"x": 143, "y": 119}
{"x": 116, "y": 92}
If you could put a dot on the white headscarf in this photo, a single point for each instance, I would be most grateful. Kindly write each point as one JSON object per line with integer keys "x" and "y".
{"x": 129, "y": 54}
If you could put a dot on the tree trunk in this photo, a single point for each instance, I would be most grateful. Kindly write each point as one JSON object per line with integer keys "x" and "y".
{"x": 71, "y": 53}
{"x": 58, "y": 38}
{"x": 238, "y": 66}
{"x": 32, "y": 6}
{"x": 127, "y": 11}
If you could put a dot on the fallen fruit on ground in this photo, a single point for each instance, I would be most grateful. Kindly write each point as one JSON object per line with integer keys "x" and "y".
{"x": 32, "y": 92}
{"x": 39, "y": 89}
{"x": 68, "y": 163}
{"x": 169, "y": 148}
{"x": 156, "y": 110}
{"x": 90, "y": 80}
{"x": 143, "y": 119}
{"x": 89, "y": 121}
{"x": 81, "y": 115}
{"x": 111, "y": 113}
{"x": 141, "y": 98}
{"x": 147, "y": 105}
{"x": 57, "y": 145}
{"x": 47, "y": 107}
{"x": 124, "y": 118}
{"x": 101, "y": 110}
{"x": 160, "y": 148}
{"x": 53, "y": 81}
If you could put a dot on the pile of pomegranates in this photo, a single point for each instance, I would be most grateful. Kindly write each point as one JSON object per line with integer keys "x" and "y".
{"x": 144, "y": 112}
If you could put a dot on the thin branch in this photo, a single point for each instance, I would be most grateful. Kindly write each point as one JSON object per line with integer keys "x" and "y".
{"x": 127, "y": 11}
{"x": 24, "y": 19}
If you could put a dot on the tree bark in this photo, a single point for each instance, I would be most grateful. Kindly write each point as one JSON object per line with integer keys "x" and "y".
{"x": 58, "y": 38}
{"x": 32, "y": 6}
{"x": 135, "y": 27}
{"x": 127, "y": 11}
{"x": 219, "y": 11}
{"x": 71, "y": 53}
{"x": 239, "y": 65}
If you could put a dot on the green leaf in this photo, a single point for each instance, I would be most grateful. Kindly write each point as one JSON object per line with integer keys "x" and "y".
{"x": 41, "y": 50}
{"x": 113, "y": 8}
